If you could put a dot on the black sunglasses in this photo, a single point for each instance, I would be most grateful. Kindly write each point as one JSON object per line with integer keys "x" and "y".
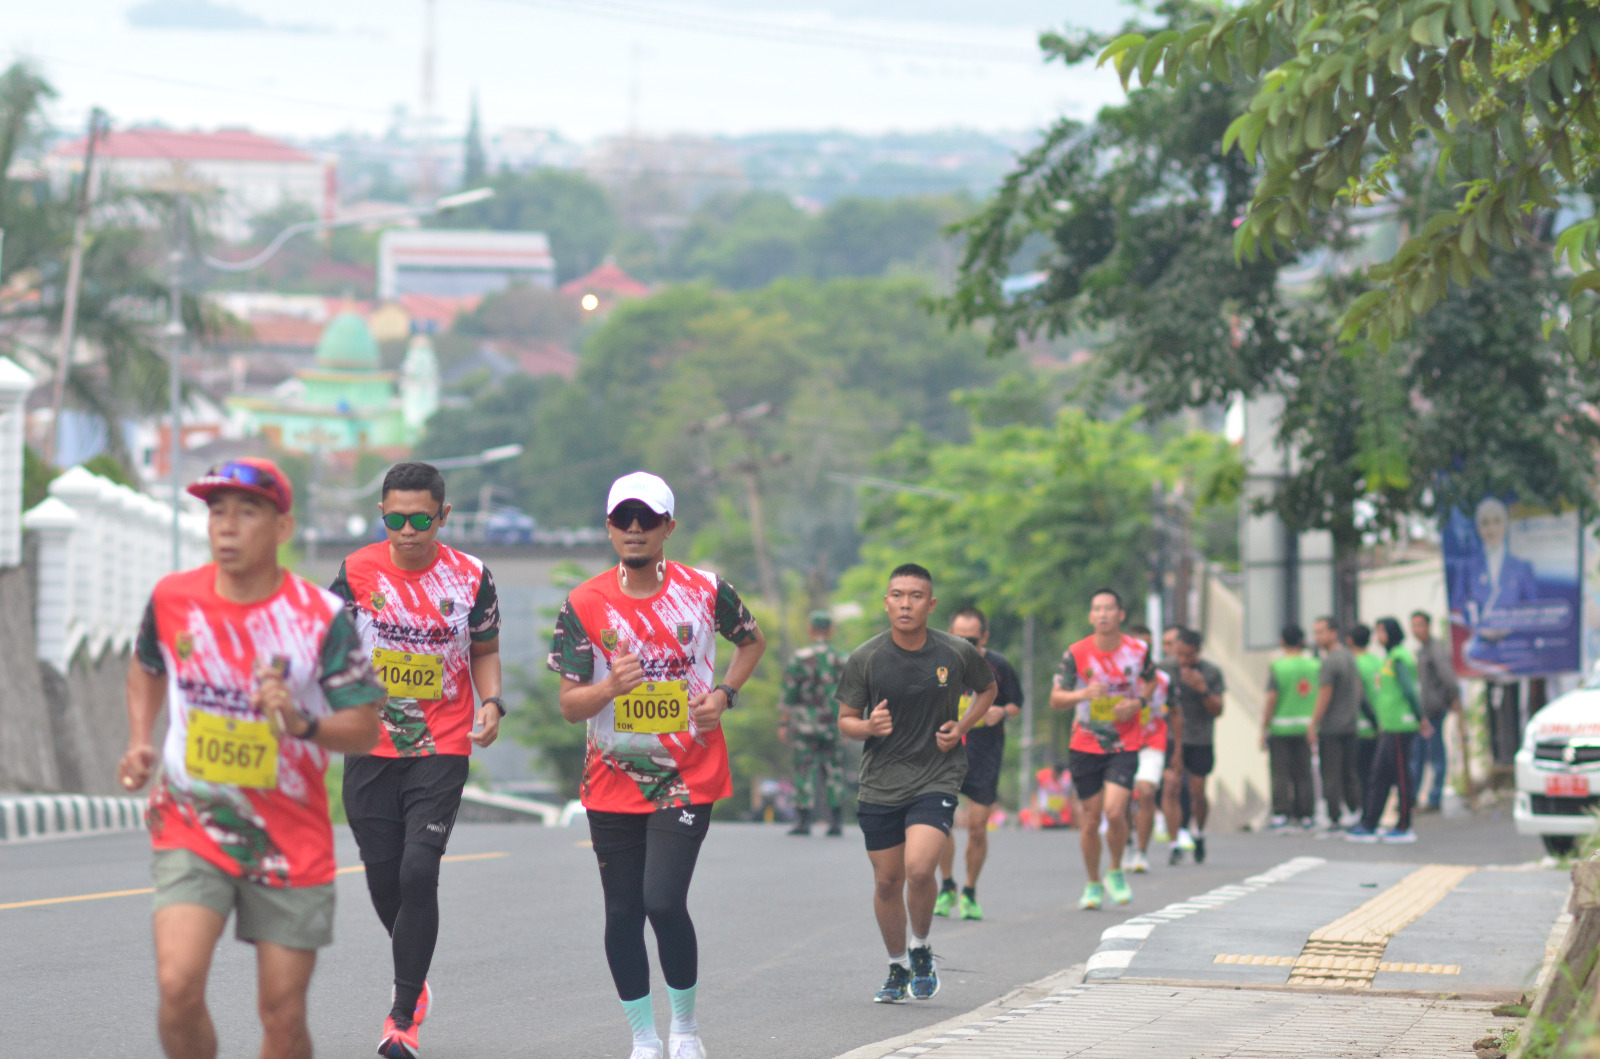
{"x": 421, "y": 520}
{"x": 627, "y": 514}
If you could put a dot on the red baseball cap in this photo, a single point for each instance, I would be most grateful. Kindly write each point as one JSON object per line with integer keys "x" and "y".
{"x": 248, "y": 474}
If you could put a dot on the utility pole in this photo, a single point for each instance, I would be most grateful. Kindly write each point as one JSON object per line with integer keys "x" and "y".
{"x": 174, "y": 336}
{"x": 1029, "y": 693}
{"x": 425, "y": 173}
{"x": 69, "y": 307}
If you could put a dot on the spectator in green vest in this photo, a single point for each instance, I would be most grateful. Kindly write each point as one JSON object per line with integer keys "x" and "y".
{"x": 1367, "y": 664}
{"x": 1291, "y": 699}
{"x": 1399, "y": 718}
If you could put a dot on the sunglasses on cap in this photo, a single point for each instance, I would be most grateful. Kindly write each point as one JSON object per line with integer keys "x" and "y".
{"x": 626, "y": 515}
{"x": 244, "y": 474}
{"x": 419, "y": 521}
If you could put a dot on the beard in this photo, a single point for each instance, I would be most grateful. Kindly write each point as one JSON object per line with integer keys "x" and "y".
{"x": 638, "y": 562}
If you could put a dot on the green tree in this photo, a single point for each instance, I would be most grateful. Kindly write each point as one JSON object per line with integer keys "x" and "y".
{"x": 1499, "y": 96}
{"x": 571, "y": 209}
{"x": 741, "y": 241}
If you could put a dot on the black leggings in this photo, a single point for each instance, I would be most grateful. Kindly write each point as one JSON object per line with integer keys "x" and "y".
{"x": 1390, "y": 769}
{"x": 405, "y": 891}
{"x": 646, "y": 863}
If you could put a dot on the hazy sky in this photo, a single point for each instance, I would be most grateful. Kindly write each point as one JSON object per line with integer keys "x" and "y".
{"x": 308, "y": 67}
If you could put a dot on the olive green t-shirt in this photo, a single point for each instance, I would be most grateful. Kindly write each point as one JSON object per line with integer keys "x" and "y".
{"x": 924, "y": 689}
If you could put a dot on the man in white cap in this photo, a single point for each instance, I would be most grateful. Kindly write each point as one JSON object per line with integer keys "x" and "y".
{"x": 635, "y": 648}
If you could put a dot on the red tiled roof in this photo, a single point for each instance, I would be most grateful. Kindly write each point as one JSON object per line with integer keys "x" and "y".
{"x": 227, "y": 145}
{"x": 283, "y": 332}
{"x": 438, "y": 309}
{"x": 607, "y": 279}
{"x": 540, "y": 358}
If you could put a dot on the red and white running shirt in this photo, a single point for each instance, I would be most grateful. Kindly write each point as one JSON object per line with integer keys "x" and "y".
{"x": 665, "y": 761}
{"x": 222, "y": 791}
{"x": 1094, "y": 730}
{"x": 418, "y": 627}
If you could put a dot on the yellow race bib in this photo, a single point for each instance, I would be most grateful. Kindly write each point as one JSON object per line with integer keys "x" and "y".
{"x": 409, "y": 676}
{"x": 1101, "y": 709}
{"x": 229, "y": 750}
{"x": 654, "y": 709}
{"x": 961, "y": 710}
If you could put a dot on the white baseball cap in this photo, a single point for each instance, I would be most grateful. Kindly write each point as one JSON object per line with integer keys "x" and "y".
{"x": 648, "y": 489}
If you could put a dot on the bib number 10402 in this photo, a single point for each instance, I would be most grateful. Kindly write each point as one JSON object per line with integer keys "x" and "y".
{"x": 654, "y": 709}
{"x": 409, "y": 676}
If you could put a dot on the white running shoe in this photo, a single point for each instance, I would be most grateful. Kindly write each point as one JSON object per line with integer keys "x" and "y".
{"x": 1137, "y": 862}
{"x": 646, "y": 1051}
{"x": 685, "y": 1047}
{"x": 1185, "y": 840}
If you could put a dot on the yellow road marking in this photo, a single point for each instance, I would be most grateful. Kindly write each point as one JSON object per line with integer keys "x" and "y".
{"x": 586, "y": 843}
{"x": 151, "y": 889}
{"x": 1349, "y": 951}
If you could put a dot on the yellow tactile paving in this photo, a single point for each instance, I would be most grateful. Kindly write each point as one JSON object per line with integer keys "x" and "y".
{"x": 1348, "y": 952}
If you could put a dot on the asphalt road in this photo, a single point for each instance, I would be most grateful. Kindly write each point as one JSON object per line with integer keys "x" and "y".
{"x": 789, "y": 951}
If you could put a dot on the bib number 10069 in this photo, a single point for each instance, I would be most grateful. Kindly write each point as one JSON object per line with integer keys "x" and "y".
{"x": 654, "y": 709}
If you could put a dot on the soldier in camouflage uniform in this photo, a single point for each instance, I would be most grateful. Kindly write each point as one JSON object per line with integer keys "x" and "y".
{"x": 809, "y": 722}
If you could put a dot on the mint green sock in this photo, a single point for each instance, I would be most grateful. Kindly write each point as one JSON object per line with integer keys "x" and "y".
{"x": 683, "y": 1011}
{"x": 642, "y": 1017}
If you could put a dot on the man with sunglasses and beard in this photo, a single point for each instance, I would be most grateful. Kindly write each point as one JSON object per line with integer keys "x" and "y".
{"x": 429, "y": 618}
{"x": 635, "y": 647}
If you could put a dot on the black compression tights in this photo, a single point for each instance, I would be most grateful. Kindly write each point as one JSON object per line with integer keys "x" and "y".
{"x": 648, "y": 878}
{"x": 405, "y": 891}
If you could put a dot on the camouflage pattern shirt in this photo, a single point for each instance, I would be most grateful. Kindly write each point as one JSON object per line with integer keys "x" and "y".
{"x": 809, "y": 684}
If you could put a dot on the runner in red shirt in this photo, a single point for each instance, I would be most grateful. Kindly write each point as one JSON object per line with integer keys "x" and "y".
{"x": 265, "y": 677}
{"x": 1100, "y": 681}
{"x": 429, "y": 618}
{"x": 1154, "y": 739}
{"x": 636, "y": 649}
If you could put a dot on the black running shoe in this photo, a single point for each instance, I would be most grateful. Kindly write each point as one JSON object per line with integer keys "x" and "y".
{"x": 1199, "y": 849}
{"x": 896, "y": 987}
{"x": 924, "y": 978}
{"x": 1175, "y": 857}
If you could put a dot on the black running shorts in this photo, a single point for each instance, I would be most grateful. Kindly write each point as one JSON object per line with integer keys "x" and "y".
{"x": 1199, "y": 760}
{"x": 395, "y": 801}
{"x": 884, "y": 826}
{"x": 986, "y": 749}
{"x": 1091, "y": 772}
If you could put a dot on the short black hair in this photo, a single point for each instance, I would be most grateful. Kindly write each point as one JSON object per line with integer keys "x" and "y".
{"x": 1292, "y": 635}
{"x": 970, "y": 611}
{"x": 412, "y": 476}
{"x": 912, "y": 570}
{"x": 1139, "y": 628}
{"x": 1327, "y": 619}
{"x": 1113, "y": 593}
{"x": 1361, "y": 635}
{"x": 1190, "y": 637}
{"x": 1392, "y": 632}
{"x": 1424, "y": 615}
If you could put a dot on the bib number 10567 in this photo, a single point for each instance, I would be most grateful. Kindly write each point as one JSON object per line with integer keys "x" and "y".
{"x": 654, "y": 709}
{"x": 241, "y": 753}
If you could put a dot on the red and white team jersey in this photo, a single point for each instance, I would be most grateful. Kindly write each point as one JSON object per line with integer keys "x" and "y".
{"x": 1153, "y": 733}
{"x": 1094, "y": 729}
{"x": 645, "y": 752}
{"x": 229, "y": 789}
{"x": 418, "y": 626}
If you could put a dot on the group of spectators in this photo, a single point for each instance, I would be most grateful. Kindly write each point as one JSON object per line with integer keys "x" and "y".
{"x": 1372, "y": 720}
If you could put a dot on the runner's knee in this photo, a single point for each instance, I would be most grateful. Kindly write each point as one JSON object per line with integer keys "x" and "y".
{"x": 182, "y": 988}
{"x": 418, "y": 877}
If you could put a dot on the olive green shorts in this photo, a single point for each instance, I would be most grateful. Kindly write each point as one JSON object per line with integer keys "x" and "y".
{"x": 296, "y": 917}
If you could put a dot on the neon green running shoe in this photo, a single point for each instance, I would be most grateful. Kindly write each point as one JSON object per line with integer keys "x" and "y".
{"x": 970, "y": 908}
{"x": 945, "y": 902}
{"x": 1093, "y": 895}
{"x": 1118, "y": 887}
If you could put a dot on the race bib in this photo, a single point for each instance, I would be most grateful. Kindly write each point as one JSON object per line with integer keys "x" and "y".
{"x": 1101, "y": 710}
{"x": 961, "y": 710}
{"x": 654, "y": 709}
{"x": 409, "y": 676}
{"x": 232, "y": 751}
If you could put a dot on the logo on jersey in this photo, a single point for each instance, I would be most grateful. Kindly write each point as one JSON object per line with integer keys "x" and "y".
{"x": 1304, "y": 687}
{"x": 185, "y": 646}
{"x": 377, "y": 601}
{"x": 684, "y": 632}
{"x": 447, "y": 607}
{"x": 944, "y": 676}
{"x": 608, "y": 639}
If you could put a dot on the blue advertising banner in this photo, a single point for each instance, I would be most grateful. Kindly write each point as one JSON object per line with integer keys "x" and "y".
{"x": 1513, "y": 577}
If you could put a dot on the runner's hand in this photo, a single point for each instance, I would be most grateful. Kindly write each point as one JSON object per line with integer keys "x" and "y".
{"x": 994, "y": 715}
{"x": 627, "y": 673}
{"x": 948, "y": 736}
{"x": 707, "y": 709}
{"x": 272, "y": 698}
{"x": 487, "y": 725}
{"x": 880, "y": 723}
{"x": 1126, "y": 710}
{"x": 133, "y": 771}
{"x": 1096, "y": 690}
{"x": 1195, "y": 679}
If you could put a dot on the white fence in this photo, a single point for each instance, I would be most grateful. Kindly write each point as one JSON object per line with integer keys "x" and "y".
{"x": 102, "y": 548}
{"x": 14, "y": 386}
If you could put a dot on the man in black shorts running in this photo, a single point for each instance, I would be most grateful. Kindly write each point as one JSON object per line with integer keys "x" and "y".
{"x": 986, "y": 748}
{"x": 901, "y": 693}
{"x": 1197, "y": 686}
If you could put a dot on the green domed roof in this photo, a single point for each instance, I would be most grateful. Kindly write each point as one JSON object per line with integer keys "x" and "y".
{"x": 347, "y": 343}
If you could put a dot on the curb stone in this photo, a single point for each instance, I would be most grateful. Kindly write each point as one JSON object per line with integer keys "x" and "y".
{"x": 29, "y": 817}
{"x": 1119, "y": 943}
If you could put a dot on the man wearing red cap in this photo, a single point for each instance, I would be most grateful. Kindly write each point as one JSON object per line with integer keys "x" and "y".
{"x": 264, "y": 677}
{"x": 636, "y": 651}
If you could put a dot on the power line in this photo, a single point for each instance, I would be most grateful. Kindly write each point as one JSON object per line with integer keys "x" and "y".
{"x": 719, "y": 25}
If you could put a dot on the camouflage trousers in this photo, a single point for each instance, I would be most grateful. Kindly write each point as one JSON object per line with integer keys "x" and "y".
{"x": 811, "y": 756}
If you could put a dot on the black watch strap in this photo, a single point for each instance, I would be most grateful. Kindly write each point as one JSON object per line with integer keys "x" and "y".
{"x": 497, "y": 704}
{"x": 731, "y": 692}
{"x": 312, "y": 724}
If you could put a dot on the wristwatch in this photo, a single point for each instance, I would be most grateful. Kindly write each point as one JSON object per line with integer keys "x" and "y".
{"x": 311, "y": 726}
{"x": 497, "y": 704}
{"x": 731, "y": 692}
